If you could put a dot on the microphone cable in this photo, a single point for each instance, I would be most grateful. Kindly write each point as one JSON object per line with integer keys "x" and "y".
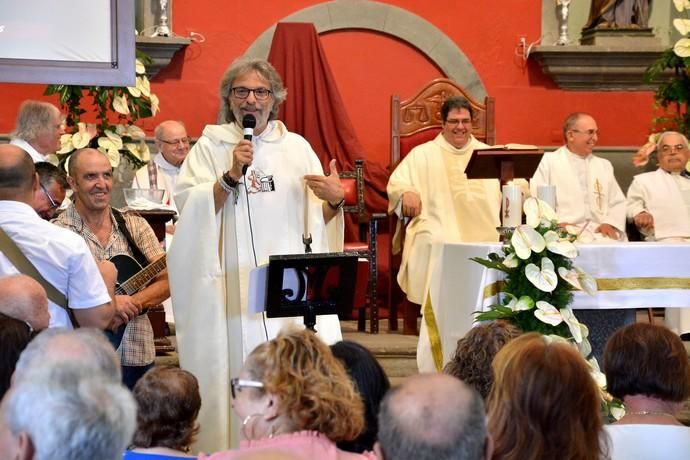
{"x": 251, "y": 237}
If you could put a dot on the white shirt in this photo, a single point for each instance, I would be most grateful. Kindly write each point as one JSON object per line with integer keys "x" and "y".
{"x": 61, "y": 256}
{"x": 649, "y": 442}
{"x": 35, "y": 154}
{"x": 166, "y": 178}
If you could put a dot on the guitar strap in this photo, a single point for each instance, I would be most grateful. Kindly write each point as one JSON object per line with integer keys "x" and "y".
{"x": 136, "y": 252}
{"x": 24, "y": 265}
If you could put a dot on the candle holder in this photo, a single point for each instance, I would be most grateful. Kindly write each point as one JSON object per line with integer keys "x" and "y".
{"x": 162, "y": 29}
{"x": 563, "y": 39}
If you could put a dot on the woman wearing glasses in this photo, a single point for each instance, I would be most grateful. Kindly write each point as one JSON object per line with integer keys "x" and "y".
{"x": 293, "y": 395}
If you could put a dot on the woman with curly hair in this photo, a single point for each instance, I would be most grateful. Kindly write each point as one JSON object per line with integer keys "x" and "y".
{"x": 293, "y": 395}
{"x": 544, "y": 403}
{"x": 168, "y": 402}
{"x": 475, "y": 353}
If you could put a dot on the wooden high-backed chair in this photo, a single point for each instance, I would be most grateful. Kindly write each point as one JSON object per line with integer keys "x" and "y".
{"x": 415, "y": 121}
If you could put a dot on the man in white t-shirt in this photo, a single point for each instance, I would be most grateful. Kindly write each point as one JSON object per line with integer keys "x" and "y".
{"x": 59, "y": 255}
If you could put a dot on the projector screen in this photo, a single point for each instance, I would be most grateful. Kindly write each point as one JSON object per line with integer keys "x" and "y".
{"x": 78, "y": 42}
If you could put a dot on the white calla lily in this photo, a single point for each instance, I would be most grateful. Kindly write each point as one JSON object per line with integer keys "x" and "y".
{"x": 547, "y": 313}
{"x": 681, "y": 5}
{"x": 537, "y": 211}
{"x": 120, "y": 104}
{"x": 526, "y": 239}
{"x": 544, "y": 279}
{"x": 682, "y": 47}
{"x": 511, "y": 261}
{"x": 557, "y": 245}
{"x": 573, "y": 324}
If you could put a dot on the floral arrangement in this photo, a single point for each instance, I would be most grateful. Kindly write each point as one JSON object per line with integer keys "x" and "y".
{"x": 537, "y": 260}
{"x": 115, "y": 109}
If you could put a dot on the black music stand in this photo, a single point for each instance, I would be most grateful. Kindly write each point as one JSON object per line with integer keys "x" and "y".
{"x": 310, "y": 284}
{"x": 503, "y": 164}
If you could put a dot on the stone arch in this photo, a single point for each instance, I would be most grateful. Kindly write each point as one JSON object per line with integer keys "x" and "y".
{"x": 390, "y": 20}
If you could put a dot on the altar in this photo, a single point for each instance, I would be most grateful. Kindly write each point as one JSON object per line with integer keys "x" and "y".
{"x": 629, "y": 275}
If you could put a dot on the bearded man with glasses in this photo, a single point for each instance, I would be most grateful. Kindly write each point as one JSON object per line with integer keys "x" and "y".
{"x": 589, "y": 200}
{"x": 248, "y": 189}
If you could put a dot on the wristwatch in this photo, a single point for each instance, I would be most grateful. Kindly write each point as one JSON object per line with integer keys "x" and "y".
{"x": 229, "y": 180}
{"x": 338, "y": 205}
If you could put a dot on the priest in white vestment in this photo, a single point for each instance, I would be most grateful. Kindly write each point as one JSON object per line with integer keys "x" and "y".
{"x": 241, "y": 201}
{"x": 588, "y": 197}
{"x": 659, "y": 205}
{"x": 430, "y": 188}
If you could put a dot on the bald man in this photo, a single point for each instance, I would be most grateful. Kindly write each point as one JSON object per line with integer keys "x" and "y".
{"x": 432, "y": 417}
{"x": 23, "y": 298}
{"x": 60, "y": 256}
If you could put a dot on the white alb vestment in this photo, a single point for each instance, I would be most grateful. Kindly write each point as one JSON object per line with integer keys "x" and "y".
{"x": 166, "y": 178}
{"x": 587, "y": 194}
{"x": 212, "y": 254}
{"x": 666, "y": 196}
{"x": 454, "y": 209}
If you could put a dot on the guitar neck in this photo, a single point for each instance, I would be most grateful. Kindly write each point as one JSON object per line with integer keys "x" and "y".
{"x": 141, "y": 279}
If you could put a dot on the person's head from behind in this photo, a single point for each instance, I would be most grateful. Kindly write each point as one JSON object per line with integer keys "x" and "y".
{"x": 456, "y": 119}
{"x": 251, "y": 87}
{"x": 672, "y": 151}
{"x": 18, "y": 180}
{"x": 371, "y": 383}
{"x": 15, "y": 335}
{"x": 432, "y": 417}
{"x": 57, "y": 346}
{"x": 168, "y": 403}
{"x": 581, "y": 133}
{"x": 546, "y": 385}
{"x": 40, "y": 124}
{"x": 649, "y": 360}
{"x": 172, "y": 141}
{"x": 66, "y": 413}
{"x": 91, "y": 179}
{"x": 294, "y": 383}
{"x": 52, "y": 188}
{"x": 475, "y": 353}
{"x": 25, "y": 299}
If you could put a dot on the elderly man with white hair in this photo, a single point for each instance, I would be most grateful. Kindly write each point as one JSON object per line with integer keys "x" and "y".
{"x": 659, "y": 205}
{"x": 38, "y": 129}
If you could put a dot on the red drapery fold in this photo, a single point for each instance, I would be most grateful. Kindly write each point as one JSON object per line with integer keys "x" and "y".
{"x": 315, "y": 110}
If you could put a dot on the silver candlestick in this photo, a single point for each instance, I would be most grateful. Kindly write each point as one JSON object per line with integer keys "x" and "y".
{"x": 162, "y": 29}
{"x": 563, "y": 22}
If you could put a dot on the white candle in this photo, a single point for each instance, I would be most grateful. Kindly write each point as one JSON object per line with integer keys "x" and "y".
{"x": 511, "y": 210}
{"x": 547, "y": 194}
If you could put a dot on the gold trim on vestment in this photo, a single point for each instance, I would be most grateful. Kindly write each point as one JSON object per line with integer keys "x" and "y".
{"x": 432, "y": 331}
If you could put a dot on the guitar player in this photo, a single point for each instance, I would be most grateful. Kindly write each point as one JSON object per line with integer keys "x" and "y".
{"x": 101, "y": 226}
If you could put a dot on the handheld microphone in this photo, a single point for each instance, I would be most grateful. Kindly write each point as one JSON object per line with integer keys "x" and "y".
{"x": 248, "y": 125}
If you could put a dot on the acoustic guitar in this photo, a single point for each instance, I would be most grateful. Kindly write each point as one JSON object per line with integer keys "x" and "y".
{"x": 132, "y": 278}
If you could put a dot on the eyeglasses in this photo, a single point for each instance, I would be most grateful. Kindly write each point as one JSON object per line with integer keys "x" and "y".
{"x": 236, "y": 385}
{"x": 261, "y": 94}
{"x": 53, "y": 205}
{"x": 453, "y": 122}
{"x": 183, "y": 140}
{"x": 589, "y": 132}
{"x": 673, "y": 148}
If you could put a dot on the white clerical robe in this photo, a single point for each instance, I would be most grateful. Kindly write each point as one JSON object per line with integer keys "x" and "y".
{"x": 666, "y": 197}
{"x": 454, "y": 209}
{"x": 166, "y": 178}
{"x": 587, "y": 194}
{"x": 212, "y": 254}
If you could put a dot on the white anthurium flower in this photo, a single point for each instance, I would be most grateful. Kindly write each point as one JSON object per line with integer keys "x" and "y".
{"x": 617, "y": 412}
{"x": 557, "y": 245}
{"x": 144, "y": 86}
{"x": 523, "y": 303}
{"x": 573, "y": 324}
{"x": 113, "y": 155}
{"x": 120, "y": 104}
{"x": 140, "y": 150}
{"x": 537, "y": 211}
{"x": 139, "y": 67}
{"x": 682, "y": 25}
{"x": 511, "y": 261}
{"x": 596, "y": 373}
{"x": 553, "y": 338}
{"x": 584, "y": 347}
{"x": 114, "y": 138}
{"x": 132, "y": 131}
{"x": 52, "y": 159}
{"x": 547, "y": 313}
{"x": 65, "y": 144}
{"x": 526, "y": 239}
{"x": 154, "y": 104}
{"x": 545, "y": 279}
{"x": 81, "y": 138}
{"x": 579, "y": 279}
{"x": 681, "y": 5}
{"x": 682, "y": 47}
{"x": 133, "y": 90}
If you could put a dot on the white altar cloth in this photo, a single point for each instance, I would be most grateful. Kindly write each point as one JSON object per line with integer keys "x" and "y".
{"x": 629, "y": 275}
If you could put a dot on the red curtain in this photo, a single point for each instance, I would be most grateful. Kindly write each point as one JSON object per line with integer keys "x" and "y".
{"x": 315, "y": 110}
